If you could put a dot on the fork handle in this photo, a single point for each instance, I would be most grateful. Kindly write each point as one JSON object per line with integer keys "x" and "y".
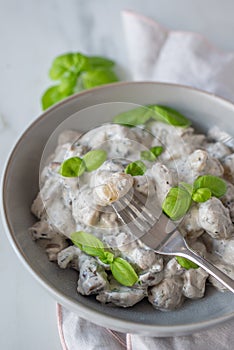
{"x": 210, "y": 268}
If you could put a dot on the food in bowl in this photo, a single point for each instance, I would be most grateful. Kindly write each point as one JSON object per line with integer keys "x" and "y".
{"x": 157, "y": 158}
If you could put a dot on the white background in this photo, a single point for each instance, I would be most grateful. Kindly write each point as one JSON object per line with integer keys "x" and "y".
{"x": 32, "y": 33}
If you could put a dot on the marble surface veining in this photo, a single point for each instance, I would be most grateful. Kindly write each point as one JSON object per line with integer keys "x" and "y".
{"x": 32, "y": 33}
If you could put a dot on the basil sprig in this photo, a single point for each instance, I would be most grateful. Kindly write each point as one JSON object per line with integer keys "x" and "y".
{"x": 121, "y": 270}
{"x": 178, "y": 200}
{"x": 152, "y": 154}
{"x": 76, "y": 166}
{"x": 135, "y": 168}
{"x": 140, "y": 115}
{"x": 216, "y": 185}
{"x": 74, "y": 72}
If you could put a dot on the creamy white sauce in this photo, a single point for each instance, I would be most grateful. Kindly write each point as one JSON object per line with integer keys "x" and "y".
{"x": 65, "y": 205}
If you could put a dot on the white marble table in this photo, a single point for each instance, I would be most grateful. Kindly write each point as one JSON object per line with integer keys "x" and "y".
{"x": 32, "y": 33}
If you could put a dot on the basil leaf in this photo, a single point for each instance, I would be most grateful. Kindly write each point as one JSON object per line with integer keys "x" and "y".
{"x": 68, "y": 83}
{"x": 97, "y": 61}
{"x": 60, "y": 66}
{"x": 89, "y": 244}
{"x": 147, "y": 155}
{"x": 152, "y": 154}
{"x": 123, "y": 272}
{"x": 201, "y": 195}
{"x": 156, "y": 150}
{"x": 94, "y": 159}
{"x": 51, "y": 96}
{"x": 186, "y": 263}
{"x": 107, "y": 258}
{"x": 177, "y": 203}
{"x": 142, "y": 114}
{"x": 136, "y": 168}
{"x": 137, "y": 116}
{"x": 98, "y": 76}
{"x": 67, "y": 69}
{"x": 169, "y": 116}
{"x": 73, "y": 62}
{"x": 72, "y": 167}
{"x": 215, "y": 184}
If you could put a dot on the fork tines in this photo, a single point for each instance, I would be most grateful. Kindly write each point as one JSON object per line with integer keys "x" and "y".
{"x": 132, "y": 209}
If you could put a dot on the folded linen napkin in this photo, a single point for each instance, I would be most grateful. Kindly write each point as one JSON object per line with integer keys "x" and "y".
{"x": 158, "y": 54}
{"x": 186, "y": 58}
{"x": 77, "y": 333}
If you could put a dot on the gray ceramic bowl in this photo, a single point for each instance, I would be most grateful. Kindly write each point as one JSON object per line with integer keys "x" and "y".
{"x": 20, "y": 185}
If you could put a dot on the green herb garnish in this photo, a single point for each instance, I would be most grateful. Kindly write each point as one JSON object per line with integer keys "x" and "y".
{"x": 97, "y": 62}
{"x": 141, "y": 115}
{"x": 88, "y": 243}
{"x": 147, "y": 155}
{"x": 178, "y": 200}
{"x": 74, "y": 72}
{"x": 186, "y": 263}
{"x": 169, "y": 116}
{"x": 176, "y": 203}
{"x": 122, "y": 271}
{"x": 156, "y": 150}
{"x": 98, "y": 76}
{"x": 107, "y": 258}
{"x": 72, "y": 167}
{"x": 136, "y": 116}
{"x": 52, "y": 96}
{"x": 76, "y": 166}
{"x": 136, "y": 168}
{"x": 215, "y": 184}
{"x": 66, "y": 64}
{"x": 94, "y": 159}
{"x": 152, "y": 154}
{"x": 201, "y": 195}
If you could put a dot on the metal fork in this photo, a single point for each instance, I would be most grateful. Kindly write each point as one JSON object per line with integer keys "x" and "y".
{"x": 159, "y": 233}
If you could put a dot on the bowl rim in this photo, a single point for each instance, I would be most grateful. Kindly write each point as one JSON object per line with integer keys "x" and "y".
{"x": 104, "y": 320}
